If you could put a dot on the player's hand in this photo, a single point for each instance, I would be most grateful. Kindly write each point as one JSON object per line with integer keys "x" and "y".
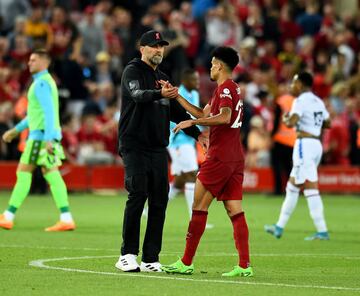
{"x": 183, "y": 125}
{"x": 49, "y": 147}
{"x": 10, "y": 135}
{"x": 169, "y": 92}
{"x": 165, "y": 83}
{"x": 285, "y": 117}
{"x": 204, "y": 142}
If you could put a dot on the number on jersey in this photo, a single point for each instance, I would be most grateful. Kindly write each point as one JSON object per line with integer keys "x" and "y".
{"x": 318, "y": 118}
{"x": 237, "y": 123}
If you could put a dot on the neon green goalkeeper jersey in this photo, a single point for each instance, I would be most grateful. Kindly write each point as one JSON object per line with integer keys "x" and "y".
{"x": 43, "y": 109}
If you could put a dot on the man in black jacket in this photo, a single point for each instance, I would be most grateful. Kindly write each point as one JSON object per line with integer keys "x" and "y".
{"x": 143, "y": 137}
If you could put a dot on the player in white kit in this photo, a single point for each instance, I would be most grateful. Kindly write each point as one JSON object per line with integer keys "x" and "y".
{"x": 309, "y": 115}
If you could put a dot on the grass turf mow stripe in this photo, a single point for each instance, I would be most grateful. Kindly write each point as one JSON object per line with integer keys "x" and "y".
{"x": 40, "y": 263}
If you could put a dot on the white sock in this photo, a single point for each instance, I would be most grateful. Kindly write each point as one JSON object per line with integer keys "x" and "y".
{"x": 189, "y": 196}
{"x": 9, "y": 215}
{"x": 289, "y": 204}
{"x": 316, "y": 209}
{"x": 66, "y": 217}
{"x": 173, "y": 191}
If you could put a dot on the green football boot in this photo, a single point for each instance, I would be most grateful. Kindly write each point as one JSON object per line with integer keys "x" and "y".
{"x": 238, "y": 271}
{"x": 178, "y": 267}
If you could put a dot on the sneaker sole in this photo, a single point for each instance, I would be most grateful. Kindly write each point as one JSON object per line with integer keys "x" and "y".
{"x": 176, "y": 272}
{"x": 130, "y": 270}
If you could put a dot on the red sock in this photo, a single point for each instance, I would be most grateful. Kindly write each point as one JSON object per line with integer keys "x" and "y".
{"x": 195, "y": 231}
{"x": 241, "y": 237}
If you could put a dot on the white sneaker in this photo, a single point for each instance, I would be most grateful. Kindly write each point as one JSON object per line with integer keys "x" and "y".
{"x": 128, "y": 263}
{"x": 150, "y": 267}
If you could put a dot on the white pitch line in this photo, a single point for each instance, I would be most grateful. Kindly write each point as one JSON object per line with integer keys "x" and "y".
{"x": 207, "y": 254}
{"x": 40, "y": 264}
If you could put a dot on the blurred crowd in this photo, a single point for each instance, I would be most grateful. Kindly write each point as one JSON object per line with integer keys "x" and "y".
{"x": 91, "y": 41}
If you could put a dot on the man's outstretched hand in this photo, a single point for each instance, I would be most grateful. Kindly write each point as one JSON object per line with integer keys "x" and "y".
{"x": 168, "y": 90}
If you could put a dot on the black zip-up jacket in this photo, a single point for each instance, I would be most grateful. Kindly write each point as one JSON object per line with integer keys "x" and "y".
{"x": 145, "y": 116}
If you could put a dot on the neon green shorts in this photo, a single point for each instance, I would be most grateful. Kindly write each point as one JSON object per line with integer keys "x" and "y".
{"x": 35, "y": 153}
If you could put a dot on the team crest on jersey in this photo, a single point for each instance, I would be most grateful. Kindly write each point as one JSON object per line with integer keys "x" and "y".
{"x": 226, "y": 94}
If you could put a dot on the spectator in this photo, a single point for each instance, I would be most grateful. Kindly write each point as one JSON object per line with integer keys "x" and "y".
{"x": 283, "y": 142}
{"x": 8, "y": 151}
{"x": 91, "y": 143}
{"x": 259, "y": 142}
{"x": 10, "y": 9}
{"x": 38, "y": 30}
{"x": 192, "y": 28}
{"x": 310, "y": 21}
{"x": 336, "y": 141}
{"x": 19, "y": 29}
{"x": 66, "y": 35}
{"x": 93, "y": 35}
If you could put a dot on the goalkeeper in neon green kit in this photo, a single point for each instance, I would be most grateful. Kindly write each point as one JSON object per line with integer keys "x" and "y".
{"x": 43, "y": 147}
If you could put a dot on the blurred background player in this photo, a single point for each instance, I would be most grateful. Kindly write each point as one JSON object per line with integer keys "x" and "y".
{"x": 309, "y": 115}
{"x": 182, "y": 149}
{"x": 43, "y": 146}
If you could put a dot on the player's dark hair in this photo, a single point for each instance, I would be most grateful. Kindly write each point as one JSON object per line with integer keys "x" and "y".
{"x": 187, "y": 73}
{"x": 305, "y": 78}
{"x": 227, "y": 55}
{"x": 42, "y": 53}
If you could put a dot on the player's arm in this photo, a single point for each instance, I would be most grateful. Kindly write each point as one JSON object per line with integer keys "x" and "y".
{"x": 224, "y": 117}
{"x": 12, "y": 133}
{"x": 327, "y": 120}
{"x": 178, "y": 114}
{"x": 327, "y": 123}
{"x": 195, "y": 111}
{"x": 291, "y": 120}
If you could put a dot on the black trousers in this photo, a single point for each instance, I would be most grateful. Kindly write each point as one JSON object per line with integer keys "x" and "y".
{"x": 146, "y": 178}
{"x": 281, "y": 162}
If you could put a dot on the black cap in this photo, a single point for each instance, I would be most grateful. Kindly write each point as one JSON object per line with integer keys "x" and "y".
{"x": 151, "y": 38}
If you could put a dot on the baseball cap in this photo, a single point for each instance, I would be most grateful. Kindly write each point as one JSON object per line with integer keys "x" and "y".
{"x": 151, "y": 38}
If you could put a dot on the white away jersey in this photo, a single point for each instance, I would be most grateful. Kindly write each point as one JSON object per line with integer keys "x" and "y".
{"x": 312, "y": 112}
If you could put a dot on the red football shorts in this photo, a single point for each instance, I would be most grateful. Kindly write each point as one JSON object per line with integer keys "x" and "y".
{"x": 223, "y": 179}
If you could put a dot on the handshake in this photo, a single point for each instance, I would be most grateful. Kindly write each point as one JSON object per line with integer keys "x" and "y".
{"x": 168, "y": 90}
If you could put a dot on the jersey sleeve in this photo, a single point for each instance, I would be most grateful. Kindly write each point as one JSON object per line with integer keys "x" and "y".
{"x": 22, "y": 125}
{"x": 326, "y": 114}
{"x": 134, "y": 86}
{"x": 225, "y": 94}
{"x": 297, "y": 107}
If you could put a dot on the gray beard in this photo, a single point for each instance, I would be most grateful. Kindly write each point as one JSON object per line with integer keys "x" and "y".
{"x": 156, "y": 60}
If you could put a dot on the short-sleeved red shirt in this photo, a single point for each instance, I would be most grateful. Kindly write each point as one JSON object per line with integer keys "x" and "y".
{"x": 225, "y": 143}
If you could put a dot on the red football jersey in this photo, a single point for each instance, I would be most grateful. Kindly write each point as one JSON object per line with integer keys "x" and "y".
{"x": 225, "y": 142}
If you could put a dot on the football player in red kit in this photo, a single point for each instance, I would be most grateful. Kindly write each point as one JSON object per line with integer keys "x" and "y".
{"x": 221, "y": 175}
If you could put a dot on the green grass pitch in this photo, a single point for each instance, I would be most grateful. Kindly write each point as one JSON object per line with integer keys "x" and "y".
{"x": 33, "y": 262}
